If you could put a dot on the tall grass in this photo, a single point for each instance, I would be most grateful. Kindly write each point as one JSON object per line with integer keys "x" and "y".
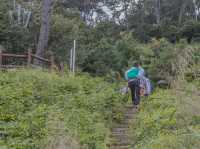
{"x": 169, "y": 119}
{"x": 39, "y": 110}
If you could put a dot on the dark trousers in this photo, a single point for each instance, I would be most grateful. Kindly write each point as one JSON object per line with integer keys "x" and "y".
{"x": 134, "y": 85}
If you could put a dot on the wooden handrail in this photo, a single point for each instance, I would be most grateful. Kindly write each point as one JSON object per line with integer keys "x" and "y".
{"x": 11, "y": 66}
{"x": 14, "y": 55}
{"x": 40, "y": 58}
{"x": 29, "y": 56}
{"x": 1, "y": 58}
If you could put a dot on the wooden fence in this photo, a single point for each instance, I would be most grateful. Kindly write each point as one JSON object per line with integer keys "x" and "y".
{"x": 8, "y": 60}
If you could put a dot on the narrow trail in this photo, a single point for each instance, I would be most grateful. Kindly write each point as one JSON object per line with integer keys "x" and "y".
{"x": 120, "y": 133}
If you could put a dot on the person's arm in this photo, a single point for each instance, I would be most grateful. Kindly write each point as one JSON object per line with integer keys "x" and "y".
{"x": 126, "y": 75}
{"x": 141, "y": 72}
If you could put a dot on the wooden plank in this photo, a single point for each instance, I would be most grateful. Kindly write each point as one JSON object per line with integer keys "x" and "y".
{"x": 52, "y": 62}
{"x": 11, "y": 66}
{"x": 13, "y": 55}
{"x": 1, "y": 58}
{"x": 40, "y": 58}
{"x": 29, "y": 58}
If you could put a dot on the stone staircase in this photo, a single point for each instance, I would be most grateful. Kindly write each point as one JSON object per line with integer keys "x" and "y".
{"x": 119, "y": 136}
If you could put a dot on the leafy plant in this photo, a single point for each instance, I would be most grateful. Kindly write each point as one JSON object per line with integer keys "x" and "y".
{"x": 37, "y": 108}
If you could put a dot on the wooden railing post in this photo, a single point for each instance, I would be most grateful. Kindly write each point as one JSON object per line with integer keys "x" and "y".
{"x": 62, "y": 68}
{"x": 29, "y": 57}
{"x": 52, "y": 62}
{"x": 1, "y": 59}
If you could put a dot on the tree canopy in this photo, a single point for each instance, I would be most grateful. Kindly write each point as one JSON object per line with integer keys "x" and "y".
{"x": 109, "y": 33}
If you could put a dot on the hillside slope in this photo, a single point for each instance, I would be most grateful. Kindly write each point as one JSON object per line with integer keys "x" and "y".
{"x": 169, "y": 119}
{"x": 39, "y": 110}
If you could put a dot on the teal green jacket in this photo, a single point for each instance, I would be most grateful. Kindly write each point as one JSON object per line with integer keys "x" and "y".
{"x": 134, "y": 72}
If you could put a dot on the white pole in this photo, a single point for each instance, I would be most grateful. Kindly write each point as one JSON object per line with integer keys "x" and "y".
{"x": 19, "y": 14}
{"x": 28, "y": 19}
{"x": 14, "y": 4}
{"x": 71, "y": 60}
{"x": 74, "y": 57}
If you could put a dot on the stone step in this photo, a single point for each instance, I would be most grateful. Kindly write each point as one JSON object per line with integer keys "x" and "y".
{"x": 129, "y": 116}
{"x": 119, "y": 133}
{"x": 121, "y": 143}
{"x": 119, "y": 136}
{"x": 133, "y": 113}
{"x": 125, "y": 146}
{"x": 129, "y": 107}
{"x": 120, "y": 139}
{"x": 124, "y": 122}
{"x": 120, "y": 147}
{"x": 120, "y": 130}
{"x": 125, "y": 125}
{"x": 115, "y": 139}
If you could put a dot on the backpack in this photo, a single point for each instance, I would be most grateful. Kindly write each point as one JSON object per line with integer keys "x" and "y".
{"x": 132, "y": 73}
{"x": 148, "y": 86}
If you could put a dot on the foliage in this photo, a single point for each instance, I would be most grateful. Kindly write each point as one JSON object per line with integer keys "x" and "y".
{"x": 110, "y": 45}
{"x": 169, "y": 119}
{"x": 191, "y": 30}
{"x": 37, "y": 108}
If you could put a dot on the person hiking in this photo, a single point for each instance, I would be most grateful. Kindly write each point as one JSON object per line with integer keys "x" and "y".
{"x": 133, "y": 76}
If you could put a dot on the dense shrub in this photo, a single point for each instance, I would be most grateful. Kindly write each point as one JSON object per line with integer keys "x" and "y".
{"x": 37, "y": 108}
{"x": 169, "y": 119}
{"x": 191, "y": 31}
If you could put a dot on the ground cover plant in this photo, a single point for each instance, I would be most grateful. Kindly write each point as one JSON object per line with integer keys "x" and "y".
{"x": 169, "y": 119}
{"x": 42, "y": 110}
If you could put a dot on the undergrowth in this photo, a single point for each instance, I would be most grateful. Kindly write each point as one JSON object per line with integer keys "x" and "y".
{"x": 39, "y": 110}
{"x": 169, "y": 119}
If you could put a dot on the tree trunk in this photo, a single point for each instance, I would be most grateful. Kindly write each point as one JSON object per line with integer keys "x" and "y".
{"x": 196, "y": 10}
{"x": 44, "y": 30}
{"x": 125, "y": 3}
{"x": 158, "y": 12}
{"x": 181, "y": 14}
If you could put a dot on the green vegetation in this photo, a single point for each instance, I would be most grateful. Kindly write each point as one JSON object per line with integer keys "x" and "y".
{"x": 105, "y": 45}
{"x": 38, "y": 110}
{"x": 169, "y": 119}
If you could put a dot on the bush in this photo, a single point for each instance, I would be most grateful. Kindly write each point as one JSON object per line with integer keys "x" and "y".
{"x": 191, "y": 31}
{"x": 169, "y": 119}
{"x": 37, "y": 108}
